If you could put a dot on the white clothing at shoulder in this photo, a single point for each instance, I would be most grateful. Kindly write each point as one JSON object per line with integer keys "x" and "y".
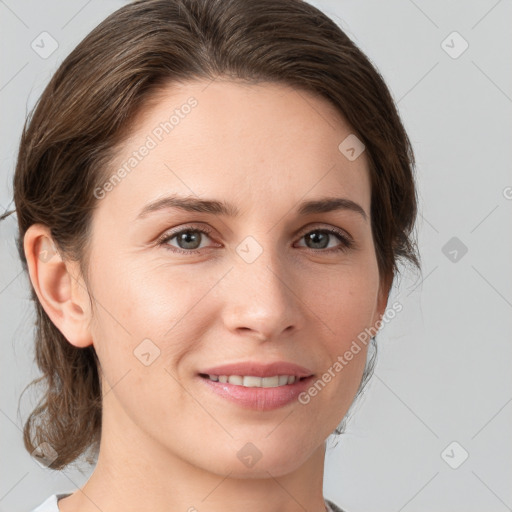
{"x": 50, "y": 504}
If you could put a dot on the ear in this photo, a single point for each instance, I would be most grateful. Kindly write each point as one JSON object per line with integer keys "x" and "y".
{"x": 58, "y": 285}
{"x": 382, "y": 299}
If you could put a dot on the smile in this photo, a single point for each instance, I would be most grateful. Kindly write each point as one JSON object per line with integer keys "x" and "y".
{"x": 250, "y": 381}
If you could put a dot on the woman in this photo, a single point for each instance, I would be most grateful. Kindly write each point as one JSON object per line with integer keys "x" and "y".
{"x": 212, "y": 198}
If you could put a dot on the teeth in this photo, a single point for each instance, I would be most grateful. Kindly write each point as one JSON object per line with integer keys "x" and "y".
{"x": 283, "y": 379}
{"x": 236, "y": 379}
{"x": 250, "y": 381}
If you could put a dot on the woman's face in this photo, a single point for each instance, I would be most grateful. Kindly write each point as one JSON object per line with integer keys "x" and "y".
{"x": 266, "y": 285}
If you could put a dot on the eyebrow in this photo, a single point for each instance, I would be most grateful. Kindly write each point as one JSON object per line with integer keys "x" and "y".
{"x": 215, "y": 207}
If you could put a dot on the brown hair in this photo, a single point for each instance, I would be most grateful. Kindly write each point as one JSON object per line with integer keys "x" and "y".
{"x": 90, "y": 103}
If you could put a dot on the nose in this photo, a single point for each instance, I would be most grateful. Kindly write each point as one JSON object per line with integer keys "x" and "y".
{"x": 262, "y": 298}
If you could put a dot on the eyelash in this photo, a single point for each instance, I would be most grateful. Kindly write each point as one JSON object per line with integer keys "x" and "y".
{"x": 346, "y": 242}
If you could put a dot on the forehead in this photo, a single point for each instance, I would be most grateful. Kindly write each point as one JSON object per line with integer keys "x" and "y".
{"x": 251, "y": 144}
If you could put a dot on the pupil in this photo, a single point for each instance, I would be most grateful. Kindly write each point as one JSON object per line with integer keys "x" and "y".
{"x": 185, "y": 238}
{"x": 316, "y": 236}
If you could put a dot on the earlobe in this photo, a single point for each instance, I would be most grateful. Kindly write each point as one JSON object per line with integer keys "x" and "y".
{"x": 58, "y": 285}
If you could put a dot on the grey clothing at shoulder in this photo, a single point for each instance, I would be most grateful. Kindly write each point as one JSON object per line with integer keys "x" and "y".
{"x": 333, "y": 506}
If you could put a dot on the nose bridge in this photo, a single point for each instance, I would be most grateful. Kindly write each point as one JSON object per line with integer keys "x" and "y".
{"x": 261, "y": 263}
{"x": 262, "y": 297}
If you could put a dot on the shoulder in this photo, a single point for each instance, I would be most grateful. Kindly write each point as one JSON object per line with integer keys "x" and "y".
{"x": 50, "y": 503}
{"x": 333, "y": 507}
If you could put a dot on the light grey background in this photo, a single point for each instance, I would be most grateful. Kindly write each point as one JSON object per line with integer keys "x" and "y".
{"x": 443, "y": 371}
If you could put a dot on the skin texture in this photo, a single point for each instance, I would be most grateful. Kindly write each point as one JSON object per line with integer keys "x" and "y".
{"x": 168, "y": 443}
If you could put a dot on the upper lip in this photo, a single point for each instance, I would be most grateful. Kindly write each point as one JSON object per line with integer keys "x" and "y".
{"x": 259, "y": 369}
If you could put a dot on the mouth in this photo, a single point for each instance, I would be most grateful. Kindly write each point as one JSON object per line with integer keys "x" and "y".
{"x": 252, "y": 381}
{"x": 257, "y": 393}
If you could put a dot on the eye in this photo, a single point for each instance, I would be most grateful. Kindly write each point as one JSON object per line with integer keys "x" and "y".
{"x": 188, "y": 237}
{"x": 190, "y": 240}
{"x": 319, "y": 239}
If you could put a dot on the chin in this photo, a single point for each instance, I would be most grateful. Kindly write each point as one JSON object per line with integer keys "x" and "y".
{"x": 261, "y": 458}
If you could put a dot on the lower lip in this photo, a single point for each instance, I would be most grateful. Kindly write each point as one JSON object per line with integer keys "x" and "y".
{"x": 261, "y": 399}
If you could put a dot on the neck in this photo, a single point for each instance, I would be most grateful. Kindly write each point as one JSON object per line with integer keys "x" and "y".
{"x": 134, "y": 472}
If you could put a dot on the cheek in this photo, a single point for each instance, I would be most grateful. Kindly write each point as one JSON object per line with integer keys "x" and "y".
{"x": 146, "y": 301}
{"x": 141, "y": 312}
{"x": 347, "y": 309}
{"x": 345, "y": 303}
